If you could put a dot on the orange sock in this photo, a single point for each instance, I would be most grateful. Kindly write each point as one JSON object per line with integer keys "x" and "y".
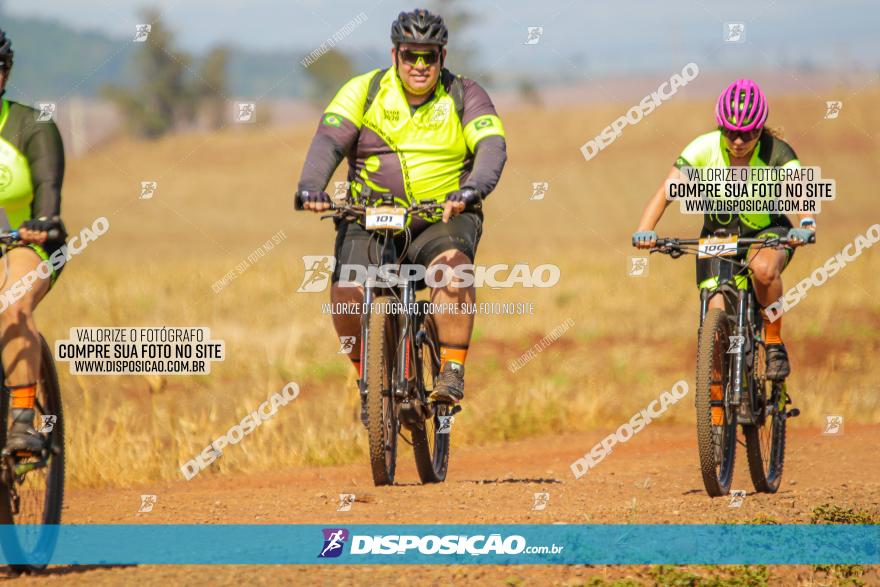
{"x": 24, "y": 397}
{"x": 452, "y": 353}
{"x": 717, "y": 393}
{"x": 772, "y": 330}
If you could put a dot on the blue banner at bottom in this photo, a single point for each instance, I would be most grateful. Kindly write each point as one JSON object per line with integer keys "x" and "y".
{"x": 441, "y": 544}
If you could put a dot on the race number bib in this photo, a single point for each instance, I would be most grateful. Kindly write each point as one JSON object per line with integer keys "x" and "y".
{"x": 385, "y": 218}
{"x": 715, "y": 246}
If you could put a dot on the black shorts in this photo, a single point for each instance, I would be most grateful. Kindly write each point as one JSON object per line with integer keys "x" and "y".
{"x": 44, "y": 251}
{"x": 462, "y": 233}
{"x": 709, "y": 268}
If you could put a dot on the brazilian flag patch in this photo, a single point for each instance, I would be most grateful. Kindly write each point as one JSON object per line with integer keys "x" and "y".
{"x": 483, "y": 123}
{"x": 332, "y": 120}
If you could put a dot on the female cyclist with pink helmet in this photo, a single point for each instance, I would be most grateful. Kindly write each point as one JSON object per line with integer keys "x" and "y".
{"x": 741, "y": 139}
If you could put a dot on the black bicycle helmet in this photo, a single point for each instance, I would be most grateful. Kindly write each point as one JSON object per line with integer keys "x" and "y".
{"x": 6, "y": 53}
{"x": 419, "y": 26}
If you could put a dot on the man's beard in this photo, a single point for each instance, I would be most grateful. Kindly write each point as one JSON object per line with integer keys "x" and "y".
{"x": 415, "y": 91}
{"x": 427, "y": 90}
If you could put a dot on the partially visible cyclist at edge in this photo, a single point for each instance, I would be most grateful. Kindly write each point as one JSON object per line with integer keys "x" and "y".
{"x": 741, "y": 140}
{"x": 31, "y": 171}
{"x": 418, "y": 132}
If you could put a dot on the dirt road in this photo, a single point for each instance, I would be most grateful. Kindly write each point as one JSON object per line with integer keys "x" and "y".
{"x": 652, "y": 479}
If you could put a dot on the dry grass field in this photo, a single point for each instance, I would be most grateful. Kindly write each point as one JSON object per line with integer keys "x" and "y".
{"x": 221, "y": 196}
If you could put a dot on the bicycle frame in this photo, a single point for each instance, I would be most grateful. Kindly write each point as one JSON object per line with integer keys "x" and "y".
{"x": 394, "y": 388}
{"x": 408, "y": 324}
{"x": 740, "y": 317}
{"x": 741, "y": 304}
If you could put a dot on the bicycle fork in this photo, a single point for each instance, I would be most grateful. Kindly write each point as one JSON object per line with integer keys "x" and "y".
{"x": 365, "y": 336}
{"x": 739, "y": 366}
{"x": 404, "y": 360}
{"x": 413, "y": 412}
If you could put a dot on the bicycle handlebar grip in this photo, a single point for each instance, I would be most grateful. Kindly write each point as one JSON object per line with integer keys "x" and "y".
{"x": 297, "y": 202}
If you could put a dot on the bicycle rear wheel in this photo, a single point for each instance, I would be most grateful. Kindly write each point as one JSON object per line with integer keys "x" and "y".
{"x": 431, "y": 440}
{"x": 765, "y": 440}
{"x": 32, "y": 487}
{"x": 382, "y": 425}
{"x": 716, "y": 437}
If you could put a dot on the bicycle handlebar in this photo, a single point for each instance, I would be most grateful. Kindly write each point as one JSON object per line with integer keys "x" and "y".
{"x": 361, "y": 210}
{"x": 672, "y": 242}
{"x": 414, "y": 207}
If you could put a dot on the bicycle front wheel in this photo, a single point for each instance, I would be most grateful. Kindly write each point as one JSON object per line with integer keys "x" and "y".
{"x": 382, "y": 425}
{"x": 716, "y": 417}
{"x": 765, "y": 440}
{"x": 32, "y": 486}
{"x": 431, "y": 440}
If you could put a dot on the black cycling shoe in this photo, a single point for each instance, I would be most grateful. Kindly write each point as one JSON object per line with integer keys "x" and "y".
{"x": 449, "y": 387}
{"x": 778, "y": 367}
{"x": 22, "y": 436}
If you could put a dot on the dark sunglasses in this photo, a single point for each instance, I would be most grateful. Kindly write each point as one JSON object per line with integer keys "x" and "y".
{"x": 411, "y": 57}
{"x": 746, "y": 136}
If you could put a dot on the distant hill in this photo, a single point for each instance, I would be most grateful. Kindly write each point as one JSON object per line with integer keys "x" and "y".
{"x": 53, "y": 61}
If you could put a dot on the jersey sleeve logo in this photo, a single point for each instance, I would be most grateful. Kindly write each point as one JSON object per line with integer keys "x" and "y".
{"x": 332, "y": 120}
{"x": 483, "y": 123}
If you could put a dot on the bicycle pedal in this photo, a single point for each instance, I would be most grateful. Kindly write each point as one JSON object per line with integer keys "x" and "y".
{"x": 456, "y": 409}
{"x": 793, "y": 413}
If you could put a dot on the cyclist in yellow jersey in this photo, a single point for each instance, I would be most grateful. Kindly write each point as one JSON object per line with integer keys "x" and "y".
{"x": 741, "y": 140}
{"x": 414, "y": 131}
{"x": 31, "y": 171}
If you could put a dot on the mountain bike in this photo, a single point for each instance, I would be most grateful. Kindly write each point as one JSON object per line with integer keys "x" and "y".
{"x": 400, "y": 351}
{"x": 32, "y": 485}
{"x": 731, "y": 356}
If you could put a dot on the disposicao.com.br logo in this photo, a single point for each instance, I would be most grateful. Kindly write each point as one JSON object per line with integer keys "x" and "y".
{"x": 453, "y": 544}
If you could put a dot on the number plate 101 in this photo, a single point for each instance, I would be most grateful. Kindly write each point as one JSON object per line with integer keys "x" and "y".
{"x": 385, "y": 218}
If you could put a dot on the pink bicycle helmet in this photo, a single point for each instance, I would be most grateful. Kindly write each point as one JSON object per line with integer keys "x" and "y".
{"x": 741, "y": 106}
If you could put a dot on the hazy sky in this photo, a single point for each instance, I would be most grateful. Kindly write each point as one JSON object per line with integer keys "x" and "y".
{"x": 635, "y": 34}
